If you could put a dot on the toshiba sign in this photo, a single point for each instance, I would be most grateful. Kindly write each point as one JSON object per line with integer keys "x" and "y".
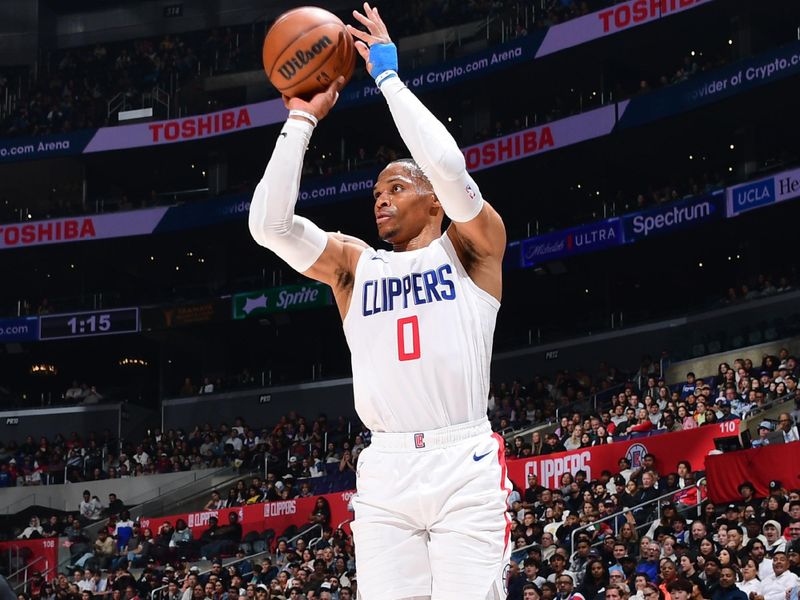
{"x": 630, "y": 14}
{"x": 199, "y": 127}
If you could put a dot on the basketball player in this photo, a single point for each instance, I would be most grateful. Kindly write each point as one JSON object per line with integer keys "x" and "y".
{"x": 430, "y": 518}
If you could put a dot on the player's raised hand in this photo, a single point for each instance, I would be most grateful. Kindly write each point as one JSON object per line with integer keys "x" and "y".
{"x": 320, "y": 104}
{"x": 376, "y": 33}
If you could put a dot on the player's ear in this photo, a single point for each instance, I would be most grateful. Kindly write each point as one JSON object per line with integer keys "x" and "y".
{"x": 436, "y": 206}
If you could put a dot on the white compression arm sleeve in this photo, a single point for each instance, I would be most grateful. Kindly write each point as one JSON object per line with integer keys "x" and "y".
{"x": 272, "y": 221}
{"x": 435, "y": 151}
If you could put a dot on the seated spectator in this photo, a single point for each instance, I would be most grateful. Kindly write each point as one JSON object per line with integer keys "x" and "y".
{"x": 115, "y": 505}
{"x": 215, "y": 503}
{"x": 74, "y": 393}
{"x": 80, "y": 549}
{"x": 764, "y": 429}
{"x": 89, "y": 509}
{"x": 52, "y": 527}
{"x": 182, "y": 539}
{"x": 776, "y": 584}
{"x": 218, "y": 540}
{"x": 32, "y": 531}
{"x": 92, "y": 397}
{"x": 105, "y": 549}
{"x": 162, "y": 549}
{"x": 788, "y": 428}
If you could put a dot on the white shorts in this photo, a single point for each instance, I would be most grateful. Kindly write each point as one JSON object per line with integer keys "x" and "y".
{"x": 430, "y": 515}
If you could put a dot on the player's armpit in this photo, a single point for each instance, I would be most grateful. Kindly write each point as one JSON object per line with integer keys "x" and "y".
{"x": 483, "y": 236}
{"x": 336, "y": 267}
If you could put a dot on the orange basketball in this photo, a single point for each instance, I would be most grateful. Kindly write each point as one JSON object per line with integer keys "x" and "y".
{"x": 305, "y": 50}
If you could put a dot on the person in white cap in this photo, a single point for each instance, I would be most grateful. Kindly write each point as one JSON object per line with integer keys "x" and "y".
{"x": 764, "y": 428}
{"x": 775, "y": 541}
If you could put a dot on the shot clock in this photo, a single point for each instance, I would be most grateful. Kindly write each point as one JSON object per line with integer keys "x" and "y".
{"x": 87, "y": 324}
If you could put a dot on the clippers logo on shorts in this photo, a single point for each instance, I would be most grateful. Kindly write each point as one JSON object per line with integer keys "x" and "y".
{"x": 419, "y": 440}
{"x": 635, "y": 455}
{"x": 393, "y": 293}
{"x": 302, "y": 57}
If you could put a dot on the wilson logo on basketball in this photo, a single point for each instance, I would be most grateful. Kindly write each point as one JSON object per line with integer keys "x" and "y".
{"x": 302, "y": 57}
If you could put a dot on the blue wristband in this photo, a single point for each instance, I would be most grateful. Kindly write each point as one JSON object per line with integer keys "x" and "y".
{"x": 383, "y": 58}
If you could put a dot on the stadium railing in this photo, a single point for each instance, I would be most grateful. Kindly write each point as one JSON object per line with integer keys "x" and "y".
{"x": 653, "y": 507}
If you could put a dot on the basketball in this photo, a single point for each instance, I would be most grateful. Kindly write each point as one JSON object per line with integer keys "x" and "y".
{"x": 305, "y": 50}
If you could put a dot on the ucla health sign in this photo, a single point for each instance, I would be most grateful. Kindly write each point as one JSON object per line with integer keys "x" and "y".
{"x": 757, "y": 194}
{"x": 750, "y": 196}
{"x": 674, "y": 216}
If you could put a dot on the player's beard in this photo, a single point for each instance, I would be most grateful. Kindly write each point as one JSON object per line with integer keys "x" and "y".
{"x": 388, "y": 236}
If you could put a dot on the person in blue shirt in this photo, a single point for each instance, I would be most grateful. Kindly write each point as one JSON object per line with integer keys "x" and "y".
{"x": 649, "y": 565}
{"x": 724, "y": 406}
{"x": 689, "y": 387}
{"x": 6, "y": 480}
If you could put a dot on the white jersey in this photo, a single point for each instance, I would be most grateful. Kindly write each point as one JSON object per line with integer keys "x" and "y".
{"x": 420, "y": 335}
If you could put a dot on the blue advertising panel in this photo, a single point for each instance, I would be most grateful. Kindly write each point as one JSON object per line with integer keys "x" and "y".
{"x": 706, "y": 88}
{"x": 751, "y": 195}
{"x": 20, "y": 329}
{"x": 674, "y": 216}
{"x": 569, "y": 242}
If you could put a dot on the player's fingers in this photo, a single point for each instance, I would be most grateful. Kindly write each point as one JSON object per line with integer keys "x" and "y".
{"x": 363, "y": 50}
{"x": 356, "y": 32}
{"x": 337, "y": 85}
{"x": 377, "y": 18}
{"x": 364, "y": 20}
{"x": 363, "y": 35}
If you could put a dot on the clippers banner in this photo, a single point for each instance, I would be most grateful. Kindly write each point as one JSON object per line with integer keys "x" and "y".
{"x": 258, "y": 517}
{"x": 692, "y": 445}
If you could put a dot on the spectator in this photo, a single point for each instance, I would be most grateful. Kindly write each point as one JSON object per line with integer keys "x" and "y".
{"x": 781, "y": 580}
{"x": 727, "y": 589}
{"x": 182, "y": 539}
{"x": 789, "y": 429}
{"x": 215, "y": 503}
{"x": 32, "y": 531}
{"x": 92, "y": 396}
{"x": 764, "y": 429}
{"x": 689, "y": 386}
{"x": 74, "y": 393}
{"x": 565, "y": 585}
{"x": 222, "y": 540}
{"x": 775, "y": 541}
{"x": 104, "y": 549}
{"x": 750, "y": 583}
{"x": 115, "y": 505}
{"x": 89, "y": 508}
